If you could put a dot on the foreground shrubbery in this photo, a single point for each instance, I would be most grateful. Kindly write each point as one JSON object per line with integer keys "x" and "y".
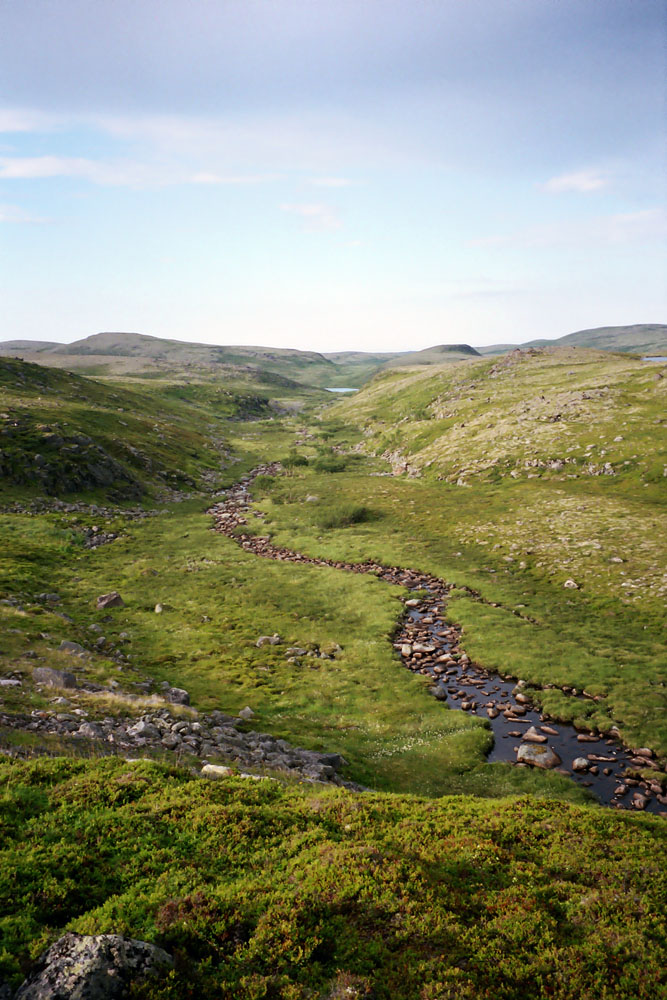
{"x": 263, "y": 890}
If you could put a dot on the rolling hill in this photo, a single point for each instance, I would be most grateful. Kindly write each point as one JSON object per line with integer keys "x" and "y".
{"x": 642, "y": 338}
{"x": 140, "y": 354}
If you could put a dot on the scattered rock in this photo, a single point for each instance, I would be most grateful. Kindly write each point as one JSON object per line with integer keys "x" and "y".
{"x": 580, "y": 764}
{"x": 216, "y": 771}
{"x": 571, "y": 585}
{"x": 102, "y": 967}
{"x": 110, "y": 600}
{"x": 74, "y": 648}
{"x": 54, "y": 678}
{"x": 246, "y": 713}
{"x": 178, "y": 696}
{"x": 268, "y": 640}
{"x": 158, "y": 609}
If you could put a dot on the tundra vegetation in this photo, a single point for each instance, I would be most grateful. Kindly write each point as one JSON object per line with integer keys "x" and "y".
{"x": 448, "y": 877}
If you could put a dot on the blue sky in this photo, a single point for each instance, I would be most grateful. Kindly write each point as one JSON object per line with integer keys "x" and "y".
{"x": 331, "y": 174}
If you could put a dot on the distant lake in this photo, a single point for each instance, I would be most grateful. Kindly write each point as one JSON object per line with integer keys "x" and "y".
{"x": 339, "y": 390}
{"x": 657, "y": 357}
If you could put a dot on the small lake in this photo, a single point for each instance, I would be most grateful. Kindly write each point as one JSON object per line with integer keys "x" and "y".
{"x": 328, "y": 389}
{"x": 657, "y": 357}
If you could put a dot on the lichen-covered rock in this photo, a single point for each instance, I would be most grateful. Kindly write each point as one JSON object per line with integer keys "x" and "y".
{"x": 100, "y": 967}
{"x": 537, "y": 755}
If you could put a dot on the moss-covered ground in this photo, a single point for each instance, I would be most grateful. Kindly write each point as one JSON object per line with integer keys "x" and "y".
{"x": 264, "y": 890}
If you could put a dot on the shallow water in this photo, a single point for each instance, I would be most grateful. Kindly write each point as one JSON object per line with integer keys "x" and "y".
{"x": 489, "y": 687}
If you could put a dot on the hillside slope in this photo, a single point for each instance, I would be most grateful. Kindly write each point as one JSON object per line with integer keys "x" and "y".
{"x": 558, "y": 413}
{"x": 64, "y": 434}
{"x": 641, "y": 338}
{"x": 438, "y": 355}
{"x": 139, "y": 354}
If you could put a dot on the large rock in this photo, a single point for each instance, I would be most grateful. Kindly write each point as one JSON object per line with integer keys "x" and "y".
{"x": 54, "y": 678}
{"x": 79, "y": 967}
{"x": 178, "y": 696}
{"x": 111, "y": 600}
{"x": 537, "y": 755}
{"x": 73, "y": 648}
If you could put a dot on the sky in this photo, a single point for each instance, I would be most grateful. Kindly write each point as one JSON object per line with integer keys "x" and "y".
{"x": 332, "y": 174}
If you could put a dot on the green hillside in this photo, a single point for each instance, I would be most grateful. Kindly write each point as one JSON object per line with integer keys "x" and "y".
{"x": 441, "y": 354}
{"x": 64, "y": 434}
{"x": 448, "y": 876}
{"x": 642, "y": 338}
{"x": 131, "y": 354}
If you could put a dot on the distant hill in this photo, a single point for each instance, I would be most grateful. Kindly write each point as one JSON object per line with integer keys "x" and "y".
{"x": 642, "y": 338}
{"x": 442, "y": 354}
{"x": 139, "y": 354}
{"x": 9, "y": 347}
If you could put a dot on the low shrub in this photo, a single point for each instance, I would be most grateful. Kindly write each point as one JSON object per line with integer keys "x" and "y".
{"x": 343, "y": 515}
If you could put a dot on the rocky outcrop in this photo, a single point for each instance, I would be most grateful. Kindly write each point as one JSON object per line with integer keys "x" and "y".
{"x": 100, "y": 967}
{"x": 213, "y": 738}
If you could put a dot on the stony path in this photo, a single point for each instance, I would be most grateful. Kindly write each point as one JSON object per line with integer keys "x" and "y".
{"x": 431, "y": 646}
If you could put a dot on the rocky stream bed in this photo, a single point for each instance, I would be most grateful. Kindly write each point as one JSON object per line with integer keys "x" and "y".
{"x": 429, "y": 645}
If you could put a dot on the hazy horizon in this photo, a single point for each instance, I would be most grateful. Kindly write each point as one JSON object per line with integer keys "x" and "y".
{"x": 334, "y": 176}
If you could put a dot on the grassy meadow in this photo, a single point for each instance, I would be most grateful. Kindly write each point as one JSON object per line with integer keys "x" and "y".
{"x": 450, "y": 877}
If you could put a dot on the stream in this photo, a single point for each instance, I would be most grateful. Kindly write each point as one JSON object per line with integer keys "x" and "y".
{"x": 429, "y": 645}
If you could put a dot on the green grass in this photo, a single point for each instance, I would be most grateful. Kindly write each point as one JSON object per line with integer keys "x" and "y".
{"x": 453, "y": 878}
{"x": 266, "y": 890}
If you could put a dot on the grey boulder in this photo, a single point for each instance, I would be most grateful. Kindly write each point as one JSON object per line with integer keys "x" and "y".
{"x": 110, "y": 600}
{"x": 100, "y": 967}
{"x": 54, "y": 678}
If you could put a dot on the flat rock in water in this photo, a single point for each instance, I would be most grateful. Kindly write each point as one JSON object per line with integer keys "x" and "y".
{"x": 580, "y": 764}
{"x": 532, "y": 736}
{"x": 101, "y": 967}
{"x": 537, "y": 755}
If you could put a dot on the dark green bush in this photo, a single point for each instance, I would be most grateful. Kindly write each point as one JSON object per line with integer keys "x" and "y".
{"x": 343, "y": 515}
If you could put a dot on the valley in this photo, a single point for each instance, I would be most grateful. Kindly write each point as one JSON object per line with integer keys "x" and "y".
{"x": 495, "y": 525}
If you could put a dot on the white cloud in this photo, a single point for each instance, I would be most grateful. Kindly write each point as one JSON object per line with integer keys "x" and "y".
{"x": 602, "y": 230}
{"x": 330, "y": 182}
{"x": 96, "y": 171}
{"x": 121, "y": 173}
{"x": 13, "y": 213}
{"x": 210, "y": 178}
{"x": 26, "y": 120}
{"x": 581, "y": 181}
{"x": 316, "y": 216}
